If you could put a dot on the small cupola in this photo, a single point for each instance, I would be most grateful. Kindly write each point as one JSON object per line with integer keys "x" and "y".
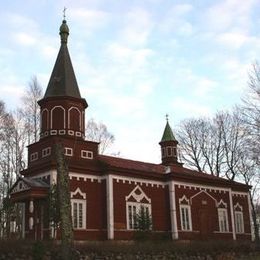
{"x": 169, "y": 146}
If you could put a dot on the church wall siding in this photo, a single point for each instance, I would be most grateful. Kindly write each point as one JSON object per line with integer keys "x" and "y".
{"x": 159, "y": 206}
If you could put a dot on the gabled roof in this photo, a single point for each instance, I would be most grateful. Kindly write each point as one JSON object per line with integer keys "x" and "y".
{"x": 63, "y": 81}
{"x": 28, "y": 188}
{"x": 168, "y": 134}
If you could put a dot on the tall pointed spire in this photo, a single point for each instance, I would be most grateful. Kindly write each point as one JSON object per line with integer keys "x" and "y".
{"x": 168, "y": 145}
{"x": 168, "y": 134}
{"x": 63, "y": 81}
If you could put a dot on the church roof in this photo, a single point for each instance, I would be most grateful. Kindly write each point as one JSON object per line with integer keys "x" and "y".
{"x": 168, "y": 134}
{"x": 63, "y": 81}
{"x": 177, "y": 172}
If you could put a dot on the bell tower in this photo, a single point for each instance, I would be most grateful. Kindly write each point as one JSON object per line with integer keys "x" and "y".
{"x": 62, "y": 108}
{"x": 169, "y": 145}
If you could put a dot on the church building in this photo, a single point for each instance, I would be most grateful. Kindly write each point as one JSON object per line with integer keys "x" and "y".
{"x": 108, "y": 192}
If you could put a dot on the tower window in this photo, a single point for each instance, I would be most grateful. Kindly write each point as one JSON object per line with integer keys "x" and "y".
{"x": 86, "y": 154}
{"x": 46, "y": 151}
{"x": 68, "y": 151}
{"x": 169, "y": 151}
{"x": 34, "y": 156}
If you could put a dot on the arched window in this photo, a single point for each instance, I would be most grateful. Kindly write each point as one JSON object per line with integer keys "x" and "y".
{"x": 58, "y": 118}
{"x": 74, "y": 119}
{"x": 138, "y": 206}
{"x": 44, "y": 120}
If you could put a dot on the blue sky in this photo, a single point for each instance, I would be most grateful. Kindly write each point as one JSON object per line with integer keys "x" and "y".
{"x": 135, "y": 60}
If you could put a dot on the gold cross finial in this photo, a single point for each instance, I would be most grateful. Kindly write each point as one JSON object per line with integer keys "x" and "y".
{"x": 64, "y": 13}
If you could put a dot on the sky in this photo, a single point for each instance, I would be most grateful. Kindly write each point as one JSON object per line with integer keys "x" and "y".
{"x": 135, "y": 60}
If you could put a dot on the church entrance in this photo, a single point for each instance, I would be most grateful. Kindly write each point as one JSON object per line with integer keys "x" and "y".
{"x": 205, "y": 224}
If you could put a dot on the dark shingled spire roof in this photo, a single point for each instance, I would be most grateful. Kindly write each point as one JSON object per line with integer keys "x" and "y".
{"x": 168, "y": 134}
{"x": 63, "y": 81}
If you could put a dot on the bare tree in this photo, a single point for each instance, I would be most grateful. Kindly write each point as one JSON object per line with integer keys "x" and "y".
{"x": 31, "y": 110}
{"x": 201, "y": 144}
{"x": 98, "y": 132}
{"x": 251, "y": 111}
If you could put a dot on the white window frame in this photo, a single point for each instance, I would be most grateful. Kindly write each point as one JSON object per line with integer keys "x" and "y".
{"x": 34, "y": 156}
{"x": 84, "y": 216}
{"x": 186, "y": 221}
{"x": 131, "y": 224}
{"x": 46, "y": 152}
{"x": 68, "y": 151}
{"x": 223, "y": 220}
{"x": 239, "y": 222}
{"x": 86, "y": 154}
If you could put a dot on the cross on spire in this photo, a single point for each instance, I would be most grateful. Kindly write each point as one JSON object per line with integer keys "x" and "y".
{"x": 64, "y": 13}
{"x": 167, "y": 117}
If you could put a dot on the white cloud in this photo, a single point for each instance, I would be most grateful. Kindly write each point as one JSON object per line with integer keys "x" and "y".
{"x": 189, "y": 108}
{"x": 232, "y": 40}
{"x": 175, "y": 20}
{"x": 88, "y": 20}
{"x": 229, "y": 14}
{"x": 24, "y": 38}
{"x": 137, "y": 26}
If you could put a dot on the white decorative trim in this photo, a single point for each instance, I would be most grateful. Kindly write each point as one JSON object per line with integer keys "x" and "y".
{"x": 53, "y": 132}
{"x": 71, "y": 132}
{"x": 237, "y": 193}
{"x": 238, "y": 206}
{"x": 138, "y": 197}
{"x": 221, "y": 202}
{"x": 110, "y": 207}
{"x": 139, "y": 181}
{"x": 64, "y": 117}
{"x": 20, "y": 186}
{"x": 62, "y": 132}
{"x": 79, "y": 117}
{"x": 196, "y": 186}
{"x": 174, "y": 227}
{"x": 184, "y": 198}
{"x": 202, "y": 191}
{"x": 82, "y": 194}
{"x": 78, "y": 134}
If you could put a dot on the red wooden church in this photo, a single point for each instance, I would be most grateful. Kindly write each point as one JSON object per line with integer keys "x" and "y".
{"x": 107, "y": 192}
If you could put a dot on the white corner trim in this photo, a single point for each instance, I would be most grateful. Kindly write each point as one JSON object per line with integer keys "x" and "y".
{"x": 110, "y": 207}
{"x": 82, "y": 194}
{"x": 232, "y": 215}
{"x": 174, "y": 227}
